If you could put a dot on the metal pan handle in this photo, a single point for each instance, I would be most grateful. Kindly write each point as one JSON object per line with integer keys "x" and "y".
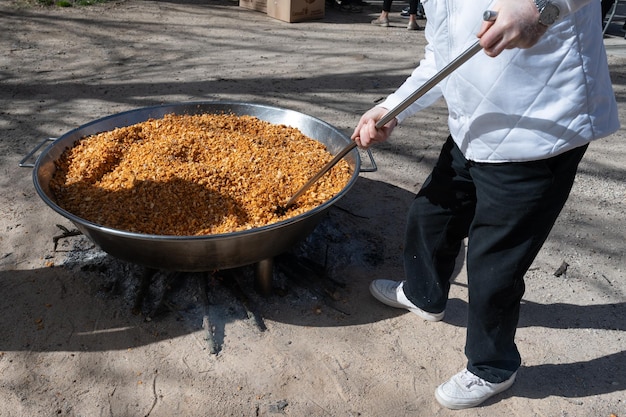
{"x": 372, "y": 166}
{"x": 24, "y": 164}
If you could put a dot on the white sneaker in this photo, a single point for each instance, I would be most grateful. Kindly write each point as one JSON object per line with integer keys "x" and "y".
{"x": 391, "y": 293}
{"x": 465, "y": 390}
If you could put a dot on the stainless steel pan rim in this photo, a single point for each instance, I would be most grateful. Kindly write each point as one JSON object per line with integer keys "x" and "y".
{"x": 205, "y": 252}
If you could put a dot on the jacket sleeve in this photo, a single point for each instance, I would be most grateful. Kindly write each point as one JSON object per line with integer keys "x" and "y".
{"x": 425, "y": 71}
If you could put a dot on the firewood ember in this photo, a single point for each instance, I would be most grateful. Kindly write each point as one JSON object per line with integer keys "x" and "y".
{"x": 66, "y": 233}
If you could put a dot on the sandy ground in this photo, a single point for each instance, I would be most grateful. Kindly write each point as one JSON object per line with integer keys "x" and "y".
{"x": 73, "y": 340}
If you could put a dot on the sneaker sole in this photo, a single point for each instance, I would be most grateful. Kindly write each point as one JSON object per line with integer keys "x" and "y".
{"x": 456, "y": 406}
{"x": 426, "y": 315}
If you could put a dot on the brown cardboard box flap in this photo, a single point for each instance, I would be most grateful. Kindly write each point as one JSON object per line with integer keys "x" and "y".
{"x": 296, "y": 10}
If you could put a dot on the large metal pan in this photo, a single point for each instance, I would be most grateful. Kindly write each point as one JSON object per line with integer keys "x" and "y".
{"x": 198, "y": 253}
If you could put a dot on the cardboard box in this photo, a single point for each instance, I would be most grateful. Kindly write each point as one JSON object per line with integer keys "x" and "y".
{"x": 296, "y": 10}
{"x": 258, "y": 5}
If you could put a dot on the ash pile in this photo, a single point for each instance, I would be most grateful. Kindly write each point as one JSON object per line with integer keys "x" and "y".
{"x": 309, "y": 276}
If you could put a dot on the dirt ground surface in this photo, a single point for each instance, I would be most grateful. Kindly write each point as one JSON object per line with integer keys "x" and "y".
{"x": 75, "y": 341}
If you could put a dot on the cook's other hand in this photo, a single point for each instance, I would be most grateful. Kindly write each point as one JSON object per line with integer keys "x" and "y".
{"x": 366, "y": 133}
{"x": 517, "y": 26}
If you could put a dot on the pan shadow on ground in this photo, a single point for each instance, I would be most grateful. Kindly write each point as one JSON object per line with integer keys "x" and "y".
{"x": 86, "y": 301}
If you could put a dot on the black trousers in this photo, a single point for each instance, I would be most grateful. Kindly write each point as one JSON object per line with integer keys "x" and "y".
{"x": 506, "y": 211}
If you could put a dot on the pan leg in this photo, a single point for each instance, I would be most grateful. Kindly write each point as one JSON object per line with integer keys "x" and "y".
{"x": 263, "y": 276}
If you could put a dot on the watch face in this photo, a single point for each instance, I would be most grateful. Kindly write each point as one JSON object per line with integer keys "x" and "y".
{"x": 549, "y": 14}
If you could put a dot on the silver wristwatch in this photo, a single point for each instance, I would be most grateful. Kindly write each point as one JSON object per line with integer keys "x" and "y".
{"x": 548, "y": 12}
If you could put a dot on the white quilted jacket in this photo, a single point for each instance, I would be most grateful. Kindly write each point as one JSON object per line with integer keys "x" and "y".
{"x": 525, "y": 104}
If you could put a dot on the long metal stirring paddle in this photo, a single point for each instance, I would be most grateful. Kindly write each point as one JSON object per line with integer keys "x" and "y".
{"x": 427, "y": 86}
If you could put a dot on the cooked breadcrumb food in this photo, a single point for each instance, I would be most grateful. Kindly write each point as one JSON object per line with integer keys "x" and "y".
{"x": 189, "y": 175}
